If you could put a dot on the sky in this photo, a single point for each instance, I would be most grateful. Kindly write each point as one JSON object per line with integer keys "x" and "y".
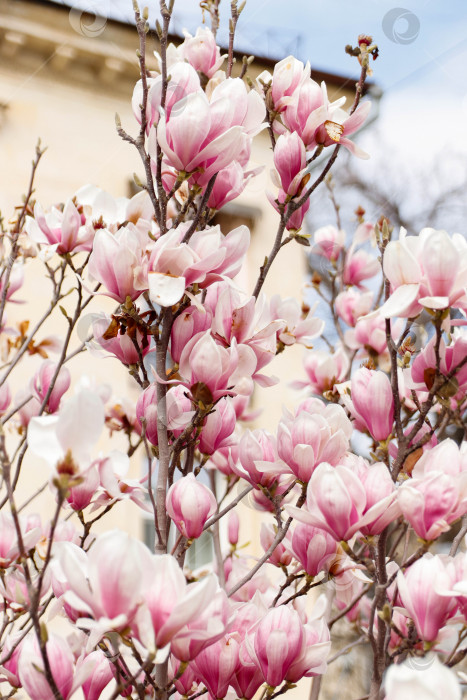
{"x": 421, "y": 67}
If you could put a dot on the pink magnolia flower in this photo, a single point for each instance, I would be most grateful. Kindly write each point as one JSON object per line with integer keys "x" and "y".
{"x": 424, "y": 366}
{"x": 65, "y": 440}
{"x": 233, "y": 527}
{"x": 431, "y": 503}
{"x": 364, "y": 232}
{"x": 329, "y": 242}
{"x": 169, "y": 602}
{"x": 334, "y": 125}
{"x": 218, "y": 427}
{"x": 207, "y": 257}
{"x": 102, "y": 209}
{"x": 120, "y": 415}
{"x": 195, "y": 138}
{"x": 248, "y": 677}
{"x": 373, "y": 401}
{"x": 295, "y": 221}
{"x": 80, "y": 495}
{"x": 457, "y": 568}
{"x": 427, "y": 679}
{"x": 106, "y": 585}
{"x": 358, "y": 266}
{"x": 216, "y": 665}
{"x": 288, "y": 75}
{"x": 446, "y": 457}
{"x": 205, "y": 628}
{"x": 5, "y": 398}
{"x": 119, "y": 345}
{"x": 232, "y": 104}
{"x": 324, "y": 370}
{"x": 314, "y": 548}
{"x": 230, "y": 183}
{"x": 223, "y": 459}
{"x": 42, "y": 379}
{"x": 369, "y": 335}
{"x": 179, "y": 411}
{"x": 276, "y": 643}
{"x": 14, "y": 590}
{"x": 300, "y": 328}
{"x": 116, "y": 486}
{"x": 444, "y": 262}
{"x": 63, "y": 230}
{"x": 202, "y": 52}
{"x": 9, "y": 546}
{"x": 98, "y": 670}
{"x": 352, "y": 304}
{"x": 192, "y": 321}
{"x": 15, "y": 281}
{"x": 190, "y": 504}
{"x": 379, "y": 486}
{"x": 31, "y": 668}
{"x": 281, "y": 556}
{"x": 184, "y": 81}
{"x": 117, "y": 262}
{"x": 339, "y": 502}
{"x": 146, "y": 408}
{"x": 186, "y": 683}
{"x": 290, "y": 161}
{"x": 418, "y": 588}
{"x": 249, "y": 324}
{"x": 428, "y": 270}
{"x": 300, "y": 108}
{"x": 313, "y": 659}
{"x": 436, "y": 495}
{"x": 316, "y": 434}
{"x": 208, "y": 369}
{"x": 254, "y": 447}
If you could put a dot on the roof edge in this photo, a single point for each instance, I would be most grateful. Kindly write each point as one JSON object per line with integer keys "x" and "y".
{"x": 329, "y": 78}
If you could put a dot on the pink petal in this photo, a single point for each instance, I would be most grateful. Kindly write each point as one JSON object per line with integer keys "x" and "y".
{"x": 165, "y": 290}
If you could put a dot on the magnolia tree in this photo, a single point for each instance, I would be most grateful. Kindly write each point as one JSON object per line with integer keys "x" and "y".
{"x": 356, "y": 485}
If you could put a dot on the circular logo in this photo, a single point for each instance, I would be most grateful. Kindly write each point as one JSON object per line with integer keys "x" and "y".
{"x": 420, "y": 663}
{"x": 401, "y": 26}
{"x": 90, "y": 20}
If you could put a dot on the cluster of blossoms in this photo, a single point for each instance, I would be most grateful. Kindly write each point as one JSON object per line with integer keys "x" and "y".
{"x": 304, "y": 122}
{"x": 354, "y": 485}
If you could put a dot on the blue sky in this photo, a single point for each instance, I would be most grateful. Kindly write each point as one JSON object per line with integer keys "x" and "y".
{"x": 437, "y": 32}
{"x": 422, "y": 66}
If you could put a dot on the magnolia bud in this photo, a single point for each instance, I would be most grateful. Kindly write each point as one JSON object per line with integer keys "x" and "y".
{"x": 233, "y": 528}
{"x": 190, "y": 504}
